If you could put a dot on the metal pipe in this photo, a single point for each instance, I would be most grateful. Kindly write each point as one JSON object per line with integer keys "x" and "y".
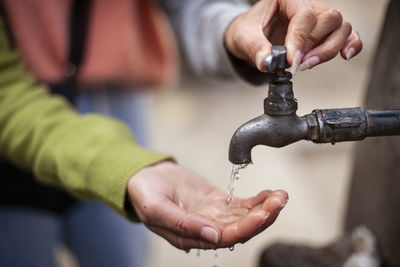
{"x": 351, "y": 124}
{"x": 320, "y": 126}
{"x": 383, "y": 122}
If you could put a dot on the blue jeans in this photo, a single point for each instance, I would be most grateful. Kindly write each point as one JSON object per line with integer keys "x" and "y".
{"x": 95, "y": 234}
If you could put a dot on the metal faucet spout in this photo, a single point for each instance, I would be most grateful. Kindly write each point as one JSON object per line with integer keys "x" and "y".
{"x": 274, "y": 131}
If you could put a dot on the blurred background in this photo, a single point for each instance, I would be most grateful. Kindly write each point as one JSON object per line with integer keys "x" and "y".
{"x": 196, "y": 121}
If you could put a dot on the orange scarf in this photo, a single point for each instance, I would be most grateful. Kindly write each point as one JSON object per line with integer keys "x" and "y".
{"x": 129, "y": 41}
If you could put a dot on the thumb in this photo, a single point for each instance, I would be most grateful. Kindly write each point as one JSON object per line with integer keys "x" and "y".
{"x": 245, "y": 39}
{"x": 256, "y": 46}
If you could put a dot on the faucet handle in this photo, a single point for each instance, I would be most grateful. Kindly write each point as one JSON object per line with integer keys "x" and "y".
{"x": 276, "y": 61}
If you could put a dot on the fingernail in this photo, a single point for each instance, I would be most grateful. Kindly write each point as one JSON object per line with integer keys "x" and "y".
{"x": 309, "y": 63}
{"x": 279, "y": 192}
{"x": 350, "y": 53}
{"x": 209, "y": 234}
{"x": 260, "y": 59}
{"x": 296, "y": 61}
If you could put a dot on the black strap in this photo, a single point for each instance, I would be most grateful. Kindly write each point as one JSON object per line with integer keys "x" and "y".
{"x": 78, "y": 32}
{"x": 77, "y": 35}
{"x": 6, "y": 22}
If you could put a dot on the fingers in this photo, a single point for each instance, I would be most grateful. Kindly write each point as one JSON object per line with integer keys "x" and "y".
{"x": 316, "y": 34}
{"x": 329, "y": 48}
{"x": 327, "y": 23}
{"x": 299, "y": 30}
{"x": 184, "y": 243}
{"x": 352, "y": 47}
{"x": 255, "y": 221}
{"x": 249, "y": 203}
{"x": 167, "y": 215}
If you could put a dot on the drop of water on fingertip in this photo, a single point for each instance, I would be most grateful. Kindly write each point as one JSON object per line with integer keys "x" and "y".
{"x": 231, "y": 248}
{"x": 198, "y": 253}
{"x": 216, "y": 254}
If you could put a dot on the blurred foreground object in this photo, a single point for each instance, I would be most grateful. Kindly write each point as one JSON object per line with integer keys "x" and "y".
{"x": 357, "y": 249}
{"x": 374, "y": 198}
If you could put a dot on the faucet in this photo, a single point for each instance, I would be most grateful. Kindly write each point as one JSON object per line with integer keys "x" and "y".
{"x": 280, "y": 125}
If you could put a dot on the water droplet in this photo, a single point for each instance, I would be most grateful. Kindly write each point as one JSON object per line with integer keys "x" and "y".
{"x": 231, "y": 248}
{"x": 216, "y": 254}
{"x": 198, "y": 253}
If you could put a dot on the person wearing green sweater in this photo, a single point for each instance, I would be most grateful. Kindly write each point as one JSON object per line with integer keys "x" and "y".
{"x": 97, "y": 158}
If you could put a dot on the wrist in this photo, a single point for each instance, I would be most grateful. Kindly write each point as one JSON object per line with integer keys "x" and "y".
{"x": 156, "y": 169}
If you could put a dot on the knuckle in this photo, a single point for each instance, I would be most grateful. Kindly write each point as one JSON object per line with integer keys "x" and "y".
{"x": 347, "y": 26}
{"x": 329, "y": 54}
{"x": 302, "y": 40}
{"x": 310, "y": 42}
{"x": 310, "y": 16}
{"x": 335, "y": 17}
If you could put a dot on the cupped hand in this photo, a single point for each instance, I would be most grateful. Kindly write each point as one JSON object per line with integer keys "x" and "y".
{"x": 189, "y": 212}
{"x": 312, "y": 31}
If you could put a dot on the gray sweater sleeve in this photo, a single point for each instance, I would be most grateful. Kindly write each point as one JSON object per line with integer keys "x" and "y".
{"x": 200, "y": 26}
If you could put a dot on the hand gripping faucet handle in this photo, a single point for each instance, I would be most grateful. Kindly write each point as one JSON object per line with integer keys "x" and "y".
{"x": 276, "y": 61}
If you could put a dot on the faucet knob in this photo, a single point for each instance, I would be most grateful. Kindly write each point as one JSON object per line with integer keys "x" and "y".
{"x": 276, "y": 62}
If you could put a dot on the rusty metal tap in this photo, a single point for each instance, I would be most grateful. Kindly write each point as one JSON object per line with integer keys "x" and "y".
{"x": 280, "y": 126}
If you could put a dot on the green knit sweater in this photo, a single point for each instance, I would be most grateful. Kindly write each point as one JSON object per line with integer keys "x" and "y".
{"x": 90, "y": 156}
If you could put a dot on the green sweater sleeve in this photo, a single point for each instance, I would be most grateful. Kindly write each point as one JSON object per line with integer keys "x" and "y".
{"x": 90, "y": 156}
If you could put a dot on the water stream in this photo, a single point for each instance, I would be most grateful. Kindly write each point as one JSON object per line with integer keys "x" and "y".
{"x": 233, "y": 178}
{"x": 231, "y": 188}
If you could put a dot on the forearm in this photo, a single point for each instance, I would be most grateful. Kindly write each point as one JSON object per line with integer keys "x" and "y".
{"x": 200, "y": 26}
